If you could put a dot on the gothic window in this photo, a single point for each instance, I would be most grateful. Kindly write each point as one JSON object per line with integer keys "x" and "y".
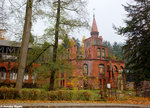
{"x": 85, "y": 69}
{"x": 101, "y": 68}
{"x": 103, "y": 53}
{"x": 98, "y": 52}
{"x": 2, "y": 73}
{"x": 13, "y": 74}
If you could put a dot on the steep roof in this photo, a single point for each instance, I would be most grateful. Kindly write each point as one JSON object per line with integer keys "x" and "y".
{"x": 94, "y": 25}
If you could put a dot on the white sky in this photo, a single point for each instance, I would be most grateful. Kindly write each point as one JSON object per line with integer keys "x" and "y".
{"x": 107, "y": 13}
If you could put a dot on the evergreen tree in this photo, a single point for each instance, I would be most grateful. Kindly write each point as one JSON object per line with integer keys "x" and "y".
{"x": 137, "y": 47}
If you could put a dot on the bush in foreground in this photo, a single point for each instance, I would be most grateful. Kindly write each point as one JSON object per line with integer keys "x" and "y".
{"x": 8, "y": 93}
{"x": 38, "y": 94}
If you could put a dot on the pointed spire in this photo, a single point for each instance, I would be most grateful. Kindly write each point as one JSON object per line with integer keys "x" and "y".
{"x": 94, "y": 30}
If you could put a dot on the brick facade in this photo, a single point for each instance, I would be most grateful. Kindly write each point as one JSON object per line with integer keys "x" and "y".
{"x": 95, "y": 69}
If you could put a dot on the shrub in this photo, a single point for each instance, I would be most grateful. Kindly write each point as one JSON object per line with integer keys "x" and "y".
{"x": 8, "y": 93}
{"x": 84, "y": 95}
{"x": 43, "y": 95}
{"x": 60, "y": 95}
{"x": 52, "y": 96}
{"x": 67, "y": 95}
{"x": 29, "y": 94}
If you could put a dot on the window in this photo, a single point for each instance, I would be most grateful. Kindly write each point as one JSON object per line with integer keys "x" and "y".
{"x": 98, "y": 52}
{"x": 87, "y": 43}
{"x": 88, "y": 53}
{"x": 62, "y": 83}
{"x": 115, "y": 69}
{"x": 101, "y": 69}
{"x": 122, "y": 72}
{"x": 26, "y": 77}
{"x": 85, "y": 69}
{"x": 98, "y": 41}
{"x": 2, "y": 73}
{"x": 13, "y": 74}
{"x": 94, "y": 42}
{"x": 103, "y": 53}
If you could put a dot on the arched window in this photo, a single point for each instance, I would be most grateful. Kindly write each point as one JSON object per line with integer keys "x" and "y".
{"x": 103, "y": 53}
{"x": 101, "y": 68}
{"x": 85, "y": 69}
{"x": 115, "y": 69}
{"x": 2, "y": 73}
{"x": 98, "y": 52}
{"x": 13, "y": 74}
{"x": 122, "y": 72}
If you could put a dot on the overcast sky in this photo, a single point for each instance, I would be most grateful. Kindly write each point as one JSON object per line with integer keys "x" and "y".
{"x": 107, "y": 13}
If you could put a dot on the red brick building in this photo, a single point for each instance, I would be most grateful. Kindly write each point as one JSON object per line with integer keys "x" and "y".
{"x": 8, "y": 64}
{"x": 94, "y": 69}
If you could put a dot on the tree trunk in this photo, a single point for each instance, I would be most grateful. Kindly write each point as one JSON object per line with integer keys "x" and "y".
{"x": 55, "y": 46}
{"x": 24, "y": 45}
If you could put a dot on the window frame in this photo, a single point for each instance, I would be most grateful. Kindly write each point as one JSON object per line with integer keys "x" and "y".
{"x": 99, "y": 69}
{"x": 99, "y": 52}
{"x": 83, "y": 69}
{"x": 103, "y": 49}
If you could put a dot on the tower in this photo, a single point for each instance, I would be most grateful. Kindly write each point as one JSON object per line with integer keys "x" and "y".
{"x": 94, "y": 30}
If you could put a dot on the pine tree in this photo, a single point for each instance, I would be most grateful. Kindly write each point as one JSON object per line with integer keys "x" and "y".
{"x": 137, "y": 47}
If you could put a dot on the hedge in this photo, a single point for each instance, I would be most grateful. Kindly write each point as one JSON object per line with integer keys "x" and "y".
{"x": 38, "y": 94}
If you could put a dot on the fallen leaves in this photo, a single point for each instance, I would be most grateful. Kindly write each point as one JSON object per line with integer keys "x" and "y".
{"x": 128, "y": 100}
